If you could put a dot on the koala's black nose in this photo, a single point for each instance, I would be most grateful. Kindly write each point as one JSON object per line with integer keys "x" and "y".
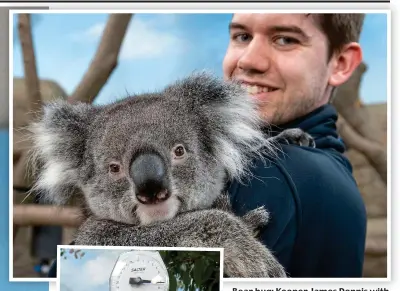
{"x": 149, "y": 174}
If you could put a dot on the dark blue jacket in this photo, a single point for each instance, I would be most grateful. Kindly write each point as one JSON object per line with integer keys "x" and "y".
{"x": 318, "y": 218}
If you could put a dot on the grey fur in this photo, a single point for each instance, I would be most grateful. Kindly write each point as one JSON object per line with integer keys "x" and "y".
{"x": 218, "y": 124}
{"x": 244, "y": 255}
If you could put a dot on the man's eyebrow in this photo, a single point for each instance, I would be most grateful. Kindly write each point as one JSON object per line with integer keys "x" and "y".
{"x": 235, "y": 25}
{"x": 288, "y": 28}
{"x": 273, "y": 29}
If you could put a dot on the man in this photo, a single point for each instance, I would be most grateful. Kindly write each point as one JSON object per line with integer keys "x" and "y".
{"x": 291, "y": 63}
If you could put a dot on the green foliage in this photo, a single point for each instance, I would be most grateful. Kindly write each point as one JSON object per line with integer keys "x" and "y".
{"x": 192, "y": 270}
{"x": 76, "y": 253}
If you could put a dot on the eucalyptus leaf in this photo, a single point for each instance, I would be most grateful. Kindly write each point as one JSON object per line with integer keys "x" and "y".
{"x": 172, "y": 282}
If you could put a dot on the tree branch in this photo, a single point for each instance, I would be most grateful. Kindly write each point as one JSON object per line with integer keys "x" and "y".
{"x": 26, "y": 215}
{"x": 28, "y": 53}
{"x": 105, "y": 59}
{"x": 376, "y": 243}
{"x": 374, "y": 152}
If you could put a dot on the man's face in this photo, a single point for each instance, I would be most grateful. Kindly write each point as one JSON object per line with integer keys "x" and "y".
{"x": 282, "y": 60}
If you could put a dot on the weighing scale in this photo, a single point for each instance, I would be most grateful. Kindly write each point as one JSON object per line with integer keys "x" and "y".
{"x": 141, "y": 271}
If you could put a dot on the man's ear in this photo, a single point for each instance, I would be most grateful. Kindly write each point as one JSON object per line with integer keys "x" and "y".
{"x": 59, "y": 139}
{"x": 344, "y": 64}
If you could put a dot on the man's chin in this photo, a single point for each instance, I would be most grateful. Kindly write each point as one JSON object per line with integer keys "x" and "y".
{"x": 149, "y": 214}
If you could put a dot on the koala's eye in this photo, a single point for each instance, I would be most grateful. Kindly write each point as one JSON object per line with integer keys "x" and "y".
{"x": 114, "y": 168}
{"x": 179, "y": 151}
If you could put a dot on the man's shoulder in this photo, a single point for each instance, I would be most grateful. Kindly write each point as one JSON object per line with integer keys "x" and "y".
{"x": 296, "y": 176}
{"x": 298, "y": 159}
{"x": 298, "y": 165}
{"x": 313, "y": 170}
{"x": 323, "y": 185}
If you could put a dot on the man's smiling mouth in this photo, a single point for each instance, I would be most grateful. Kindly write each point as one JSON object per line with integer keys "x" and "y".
{"x": 256, "y": 89}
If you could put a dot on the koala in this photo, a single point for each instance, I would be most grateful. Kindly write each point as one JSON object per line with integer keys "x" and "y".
{"x": 152, "y": 168}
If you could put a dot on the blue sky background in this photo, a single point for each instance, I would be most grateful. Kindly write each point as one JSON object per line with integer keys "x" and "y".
{"x": 89, "y": 273}
{"x": 160, "y": 48}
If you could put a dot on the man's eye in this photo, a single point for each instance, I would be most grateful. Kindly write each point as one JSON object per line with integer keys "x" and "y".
{"x": 285, "y": 40}
{"x": 241, "y": 37}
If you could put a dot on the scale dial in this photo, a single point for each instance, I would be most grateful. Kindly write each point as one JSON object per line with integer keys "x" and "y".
{"x": 141, "y": 271}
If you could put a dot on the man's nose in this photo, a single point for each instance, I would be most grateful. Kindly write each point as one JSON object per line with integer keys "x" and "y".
{"x": 256, "y": 57}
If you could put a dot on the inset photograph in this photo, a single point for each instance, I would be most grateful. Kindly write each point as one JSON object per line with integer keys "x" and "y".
{"x": 83, "y": 268}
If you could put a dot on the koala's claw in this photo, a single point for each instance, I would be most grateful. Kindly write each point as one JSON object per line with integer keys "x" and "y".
{"x": 296, "y": 136}
{"x": 306, "y": 140}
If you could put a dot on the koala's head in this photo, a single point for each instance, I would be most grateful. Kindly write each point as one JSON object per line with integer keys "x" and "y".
{"x": 148, "y": 157}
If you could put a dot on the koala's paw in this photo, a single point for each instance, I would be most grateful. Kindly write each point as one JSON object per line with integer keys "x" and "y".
{"x": 275, "y": 270}
{"x": 252, "y": 261}
{"x": 295, "y": 136}
{"x": 256, "y": 219}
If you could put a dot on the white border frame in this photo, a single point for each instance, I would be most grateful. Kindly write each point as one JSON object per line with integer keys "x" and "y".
{"x": 197, "y": 11}
{"x": 220, "y": 250}
{"x": 213, "y": 11}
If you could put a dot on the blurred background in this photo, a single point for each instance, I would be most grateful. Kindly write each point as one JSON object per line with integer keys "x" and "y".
{"x": 100, "y": 57}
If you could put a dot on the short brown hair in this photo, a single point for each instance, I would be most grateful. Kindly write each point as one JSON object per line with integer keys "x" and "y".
{"x": 340, "y": 29}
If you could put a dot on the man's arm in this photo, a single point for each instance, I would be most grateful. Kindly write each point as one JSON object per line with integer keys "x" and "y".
{"x": 272, "y": 188}
{"x": 332, "y": 239}
{"x": 325, "y": 233}
{"x": 345, "y": 235}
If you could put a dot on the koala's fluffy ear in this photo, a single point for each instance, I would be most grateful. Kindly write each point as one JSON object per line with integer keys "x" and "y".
{"x": 228, "y": 119}
{"x": 58, "y": 149}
